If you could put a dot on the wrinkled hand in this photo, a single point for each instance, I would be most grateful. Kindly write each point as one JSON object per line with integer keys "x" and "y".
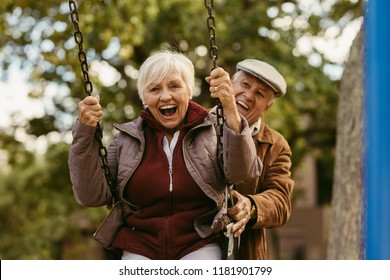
{"x": 221, "y": 87}
{"x": 239, "y": 213}
{"x": 90, "y": 111}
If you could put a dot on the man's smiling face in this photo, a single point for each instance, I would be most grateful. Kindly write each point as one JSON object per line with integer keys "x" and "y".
{"x": 253, "y": 97}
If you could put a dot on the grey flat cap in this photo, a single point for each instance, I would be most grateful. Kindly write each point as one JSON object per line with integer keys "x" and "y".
{"x": 265, "y": 72}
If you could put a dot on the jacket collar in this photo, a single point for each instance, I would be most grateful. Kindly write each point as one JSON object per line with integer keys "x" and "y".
{"x": 254, "y": 128}
{"x": 133, "y": 128}
{"x": 264, "y": 135}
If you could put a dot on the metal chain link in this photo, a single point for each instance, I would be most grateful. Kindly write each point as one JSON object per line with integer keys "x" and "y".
{"x": 214, "y": 56}
{"x": 211, "y": 27}
{"x": 78, "y": 37}
{"x": 233, "y": 243}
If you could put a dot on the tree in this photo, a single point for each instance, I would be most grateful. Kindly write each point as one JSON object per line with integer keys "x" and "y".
{"x": 346, "y": 230}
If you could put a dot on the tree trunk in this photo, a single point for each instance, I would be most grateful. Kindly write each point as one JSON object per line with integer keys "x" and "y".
{"x": 346, "y": 220}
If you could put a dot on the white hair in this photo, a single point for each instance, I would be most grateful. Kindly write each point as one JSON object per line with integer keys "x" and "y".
{"x": 157, "y": 66}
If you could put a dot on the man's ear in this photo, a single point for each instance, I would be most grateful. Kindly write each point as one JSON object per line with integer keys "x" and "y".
{"x": 269, "y": 105}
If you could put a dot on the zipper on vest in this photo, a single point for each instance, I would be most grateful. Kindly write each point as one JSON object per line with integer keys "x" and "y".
{"x": 170, "y": 179}
{"x": 169, "y": 148}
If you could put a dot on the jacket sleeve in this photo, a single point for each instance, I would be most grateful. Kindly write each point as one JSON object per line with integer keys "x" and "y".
{"x": 89, "y": 185}
{"x": 273, "y": 200}
{"x": 241, "y": 162}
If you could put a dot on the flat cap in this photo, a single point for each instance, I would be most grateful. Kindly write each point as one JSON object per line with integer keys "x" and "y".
{"x": 266, "y": 73}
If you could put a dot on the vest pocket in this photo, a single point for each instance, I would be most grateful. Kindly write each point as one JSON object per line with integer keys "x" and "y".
{"x": 110, "y": 226}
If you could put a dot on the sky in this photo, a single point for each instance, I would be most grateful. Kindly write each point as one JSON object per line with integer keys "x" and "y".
{"x": 14, "y": 97}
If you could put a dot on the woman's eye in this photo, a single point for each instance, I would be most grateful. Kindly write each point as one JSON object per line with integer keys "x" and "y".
{"x": 176, "y": 87}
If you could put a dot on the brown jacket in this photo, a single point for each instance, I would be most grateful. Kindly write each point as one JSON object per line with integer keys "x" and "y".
{"x": 271, "y": 192}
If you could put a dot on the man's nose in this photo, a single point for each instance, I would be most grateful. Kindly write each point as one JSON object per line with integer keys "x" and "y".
{"x": 249, "y": 94}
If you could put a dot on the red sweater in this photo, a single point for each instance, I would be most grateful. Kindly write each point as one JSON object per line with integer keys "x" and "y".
{"x": 164, "y": 228}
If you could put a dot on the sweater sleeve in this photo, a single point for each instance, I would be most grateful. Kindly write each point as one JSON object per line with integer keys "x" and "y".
{"x": 241, "y": 162}
{"x": 86, "y": 174}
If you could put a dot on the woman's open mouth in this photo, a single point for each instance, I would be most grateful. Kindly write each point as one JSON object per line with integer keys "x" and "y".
{"x": 168, "y": 110}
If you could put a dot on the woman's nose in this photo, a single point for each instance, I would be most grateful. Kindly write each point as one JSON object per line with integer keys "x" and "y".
{"x": 165, "y": 94}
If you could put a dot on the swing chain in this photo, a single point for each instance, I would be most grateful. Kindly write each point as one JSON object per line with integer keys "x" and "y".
{"x": 211, "y": 28}
{"x": 214, "y": 56}
{"x": 78, "y": 37}
{"x": 233, "y": 243}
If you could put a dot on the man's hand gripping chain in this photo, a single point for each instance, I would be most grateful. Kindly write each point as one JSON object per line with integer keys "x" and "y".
{"x": 229, "y": 224}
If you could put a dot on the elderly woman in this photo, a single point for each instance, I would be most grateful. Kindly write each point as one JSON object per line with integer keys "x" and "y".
{"x": 169, "y": 184}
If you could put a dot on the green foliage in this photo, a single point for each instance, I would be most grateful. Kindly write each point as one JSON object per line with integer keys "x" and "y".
{"x": 37, "y": 210}
{"x": 36, "y": 206}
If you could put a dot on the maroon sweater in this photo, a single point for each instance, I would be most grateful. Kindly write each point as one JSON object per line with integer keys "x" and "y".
{"x": 164, "y": 228}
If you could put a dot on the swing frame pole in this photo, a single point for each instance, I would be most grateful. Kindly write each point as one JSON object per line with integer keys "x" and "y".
{"x": 377, "y": 130}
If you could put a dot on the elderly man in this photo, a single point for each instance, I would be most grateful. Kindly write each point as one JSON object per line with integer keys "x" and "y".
{"x": 264, "y": 202}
